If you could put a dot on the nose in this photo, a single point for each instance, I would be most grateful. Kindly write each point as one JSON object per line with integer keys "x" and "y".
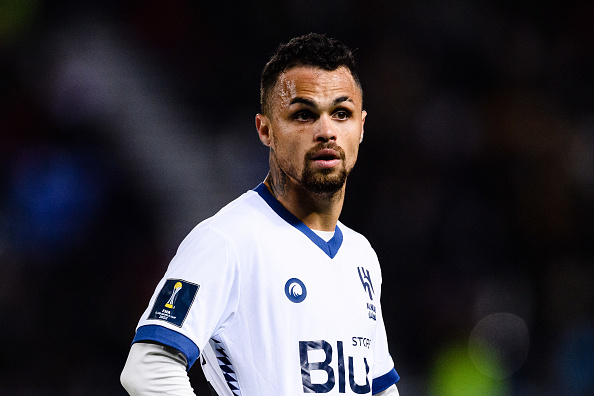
{"x": 325, "y": 130}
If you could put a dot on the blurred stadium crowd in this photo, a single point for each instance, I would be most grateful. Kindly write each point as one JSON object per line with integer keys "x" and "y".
{"x": 125, "y": 123}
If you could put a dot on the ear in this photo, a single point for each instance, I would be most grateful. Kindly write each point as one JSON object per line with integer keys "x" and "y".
{"x": 363, "y": 116}
{"x": 263, "y": 127}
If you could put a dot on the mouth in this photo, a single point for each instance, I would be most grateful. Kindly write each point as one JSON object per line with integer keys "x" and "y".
{"x": 326, "y": 158}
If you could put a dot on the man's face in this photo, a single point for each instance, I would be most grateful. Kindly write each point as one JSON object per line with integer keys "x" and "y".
{"x": 315, "y": 127}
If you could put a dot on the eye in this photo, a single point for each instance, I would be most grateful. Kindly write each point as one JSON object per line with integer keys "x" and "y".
{"x": 342, "y": 114}
{"x": 303, "y": 115}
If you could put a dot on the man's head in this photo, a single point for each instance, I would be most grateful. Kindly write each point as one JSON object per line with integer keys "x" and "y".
{"x": 313, "y": 115}
{"x": 312, "y": 49}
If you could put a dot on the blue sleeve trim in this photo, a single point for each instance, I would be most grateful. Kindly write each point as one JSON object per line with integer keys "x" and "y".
{"x": 385, "y": 381}
{"x": 171, "y": 338}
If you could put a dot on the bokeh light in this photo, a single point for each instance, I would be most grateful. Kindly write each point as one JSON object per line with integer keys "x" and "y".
{"x": 502, "y": 338}
{"x": 454, "y": 373}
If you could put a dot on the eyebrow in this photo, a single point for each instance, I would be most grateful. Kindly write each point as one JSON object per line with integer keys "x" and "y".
{"x": 311, "y": 103}
{"x": 341, "y": 99}
{"x": 304, "y": 101}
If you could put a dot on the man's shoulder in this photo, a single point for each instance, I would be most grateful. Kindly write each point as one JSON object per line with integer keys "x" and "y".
{"x": 232, "y": 224}
{"x": 242, "y": 206}
{"x": 245, "y": 214}
{"x": 352, "y": 235}
{"x": 356, "y": 246}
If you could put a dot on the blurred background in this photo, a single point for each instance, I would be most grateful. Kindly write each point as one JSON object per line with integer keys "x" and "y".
{"x": 125, "y": 123}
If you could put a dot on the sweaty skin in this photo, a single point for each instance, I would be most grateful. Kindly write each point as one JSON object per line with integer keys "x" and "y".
{"x": 287, "y": 89}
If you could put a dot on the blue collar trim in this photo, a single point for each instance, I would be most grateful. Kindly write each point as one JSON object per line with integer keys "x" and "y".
{"x": 330, "y": 248}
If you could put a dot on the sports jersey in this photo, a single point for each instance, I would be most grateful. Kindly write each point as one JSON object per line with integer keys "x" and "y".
{"x": 271, "y": 308}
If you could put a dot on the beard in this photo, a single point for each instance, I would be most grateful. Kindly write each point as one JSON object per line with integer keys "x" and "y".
{"x": 323, "y": 181}
{"x": 326, "y": 181}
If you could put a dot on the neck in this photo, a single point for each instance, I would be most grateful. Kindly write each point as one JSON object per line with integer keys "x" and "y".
{"x": 317, "y": 211}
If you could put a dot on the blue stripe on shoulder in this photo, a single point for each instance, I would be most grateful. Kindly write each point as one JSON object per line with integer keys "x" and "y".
{"x": 330, "y": 248}
{"x": 385, "y": 381}
{"x": 168, "y": 337}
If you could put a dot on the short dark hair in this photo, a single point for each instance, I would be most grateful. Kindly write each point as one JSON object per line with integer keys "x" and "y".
{"x": 312, "y": 49}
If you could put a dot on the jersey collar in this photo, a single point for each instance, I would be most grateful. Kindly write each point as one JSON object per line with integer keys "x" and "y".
{"x": 330, "y": 248}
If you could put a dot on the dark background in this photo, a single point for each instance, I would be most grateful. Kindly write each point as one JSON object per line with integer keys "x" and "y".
{"x": 125, "y": 123}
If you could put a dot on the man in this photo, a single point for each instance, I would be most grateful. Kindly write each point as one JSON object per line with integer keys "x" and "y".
{"x": 274, "y": 295}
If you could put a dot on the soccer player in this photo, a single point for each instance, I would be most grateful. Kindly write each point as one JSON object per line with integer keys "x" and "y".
{"x": 273, "y": 295}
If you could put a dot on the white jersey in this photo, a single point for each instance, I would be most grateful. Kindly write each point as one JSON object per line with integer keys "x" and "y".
{"x": 271, "y": 308}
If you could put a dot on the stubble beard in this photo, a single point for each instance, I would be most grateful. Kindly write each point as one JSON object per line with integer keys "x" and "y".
{"x": 325, "y": 181}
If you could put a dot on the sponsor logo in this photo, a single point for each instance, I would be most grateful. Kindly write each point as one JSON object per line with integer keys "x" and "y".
{"x": 295, "y": 290}
{"x": 319, "y": 366}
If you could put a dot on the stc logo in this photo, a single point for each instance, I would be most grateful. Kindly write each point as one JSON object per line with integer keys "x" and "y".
{"x": 332, "y": 377}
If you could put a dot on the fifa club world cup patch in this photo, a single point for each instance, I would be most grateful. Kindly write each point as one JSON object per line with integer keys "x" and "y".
{"x": 174, "y": 301}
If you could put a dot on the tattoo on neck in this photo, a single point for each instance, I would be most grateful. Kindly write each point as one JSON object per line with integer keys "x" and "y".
{"x": 277, "y": 178}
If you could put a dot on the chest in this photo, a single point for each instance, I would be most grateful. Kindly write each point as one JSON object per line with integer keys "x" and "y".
{"x": 312, "y": 317}
{"x": 295, "y": 285}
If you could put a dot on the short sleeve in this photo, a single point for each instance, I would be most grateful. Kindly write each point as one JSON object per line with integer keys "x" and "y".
{"x": 197, "y": 296}
{"x": 384, "y": 373}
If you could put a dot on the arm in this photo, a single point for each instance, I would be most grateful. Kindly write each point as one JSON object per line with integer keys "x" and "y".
{"x": 391, "y": 391}
{"x": 153, "y": 369}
